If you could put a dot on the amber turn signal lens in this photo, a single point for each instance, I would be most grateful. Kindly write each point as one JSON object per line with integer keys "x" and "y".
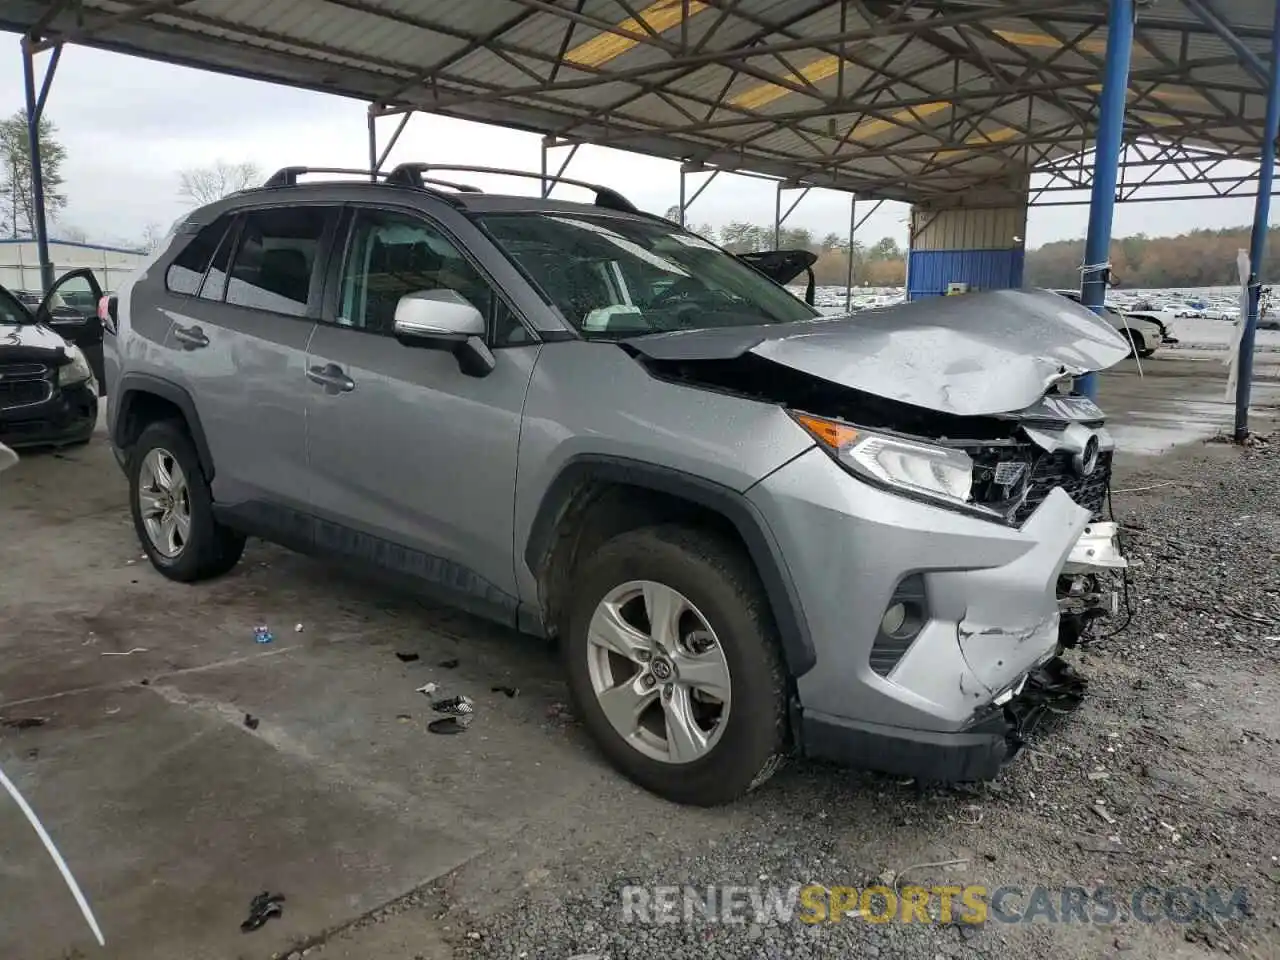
{"x": 831, "y": 432}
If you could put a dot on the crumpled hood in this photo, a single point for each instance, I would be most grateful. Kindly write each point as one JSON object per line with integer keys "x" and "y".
{"x": 972, "y": 355}
{"x": 29, "y": 336}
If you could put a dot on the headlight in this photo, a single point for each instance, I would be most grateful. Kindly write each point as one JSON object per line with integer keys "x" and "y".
{"x": 77, "y": 371}
{"x": 939, "y": 473}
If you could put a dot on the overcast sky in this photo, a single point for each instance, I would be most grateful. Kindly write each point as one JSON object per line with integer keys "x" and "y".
{"x": 130, "y": 125}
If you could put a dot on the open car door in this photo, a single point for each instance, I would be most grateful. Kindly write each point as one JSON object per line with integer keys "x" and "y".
{"x": 71, "y": 308}
{"x": 783, "y": 266}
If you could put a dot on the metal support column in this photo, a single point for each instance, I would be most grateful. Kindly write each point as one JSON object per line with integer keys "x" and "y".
{"x": 1095, "y": 271}
{"x": 373, "y": 143}
{"x": 779, "y": 217}
{"x": 686, "y": 201}
{"x": 853, "y": 227}
{"x": 548, "y": 142}
{"x": 35, "y": 111}
{"x": 1258, "y": 239}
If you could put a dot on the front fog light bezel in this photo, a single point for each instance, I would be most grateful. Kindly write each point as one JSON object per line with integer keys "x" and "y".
{"x": 891, "y": 645}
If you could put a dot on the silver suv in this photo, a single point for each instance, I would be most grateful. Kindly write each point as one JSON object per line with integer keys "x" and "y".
{"x": 755, "y": 531}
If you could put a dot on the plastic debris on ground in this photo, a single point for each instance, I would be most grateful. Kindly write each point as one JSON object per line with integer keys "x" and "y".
{"x": 449, "y": 663}
{"x": 262, "y": 635}
{"x": 123, "y": 653}
{"x": 297, "y": 628}
{"x": 24, "y": 723}
{"x": 446, "y": 725}
{"x": 251, "y": 721}
{"x": 458, "y": 706}
{"x": 428, "y": 688}
{"x": 406, "y": 657}
{"x": 261, "y": 909}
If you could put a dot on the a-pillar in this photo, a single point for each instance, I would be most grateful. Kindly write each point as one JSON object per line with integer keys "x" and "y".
{"x": 981, "y": 248}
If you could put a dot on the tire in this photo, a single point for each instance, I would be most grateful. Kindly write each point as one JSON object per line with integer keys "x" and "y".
{"x": 207, "y": 548}
{"x": 1147, "y": 353}
{"x": 1136, "y": 343}
{"x": 716, "y": 578}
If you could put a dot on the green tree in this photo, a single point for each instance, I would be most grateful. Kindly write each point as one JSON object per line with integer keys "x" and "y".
{"x": 17, "y": 205}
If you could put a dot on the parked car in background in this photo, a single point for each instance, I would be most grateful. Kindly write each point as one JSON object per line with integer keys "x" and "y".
{"x": 1145, "y": 332}
{"x": 48, "y": 390}
{"x": 753, "y": 530}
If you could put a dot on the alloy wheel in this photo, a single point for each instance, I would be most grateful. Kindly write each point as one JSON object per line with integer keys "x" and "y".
{"x": 658, "y": 671}
{"x": 164, "y": 501}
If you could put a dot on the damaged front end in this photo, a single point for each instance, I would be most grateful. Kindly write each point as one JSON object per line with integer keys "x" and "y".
{"x": 980, "y": 527}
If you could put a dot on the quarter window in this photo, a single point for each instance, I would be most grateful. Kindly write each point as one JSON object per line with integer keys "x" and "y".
{"x": 276, "y": 259}
{"x": 188, "y": 268}
{"x": 390, "y": 255}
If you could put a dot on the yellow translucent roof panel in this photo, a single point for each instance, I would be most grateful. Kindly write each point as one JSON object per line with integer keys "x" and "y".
{"x": 659, "y": 16}
{"x": 871, "y": 128}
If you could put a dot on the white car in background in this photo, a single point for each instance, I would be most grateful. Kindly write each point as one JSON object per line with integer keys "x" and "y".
{"x": 1144, "y": 331}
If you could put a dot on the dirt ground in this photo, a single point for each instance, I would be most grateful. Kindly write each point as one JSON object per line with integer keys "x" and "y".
{"x": 514, "y": 840}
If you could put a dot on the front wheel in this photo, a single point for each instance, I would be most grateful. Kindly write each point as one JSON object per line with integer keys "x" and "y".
{"x": 674, "y": 664}
{"x": 172, "y": 508}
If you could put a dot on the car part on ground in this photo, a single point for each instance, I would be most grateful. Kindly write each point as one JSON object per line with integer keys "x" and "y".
{"x": 754, "y": 531}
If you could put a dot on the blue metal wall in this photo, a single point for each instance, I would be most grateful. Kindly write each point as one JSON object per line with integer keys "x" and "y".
{"x": 929, "y": 271}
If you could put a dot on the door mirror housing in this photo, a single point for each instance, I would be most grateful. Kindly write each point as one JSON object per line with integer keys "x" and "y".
{"x": 445, "y": 320}
{"x": 437, "y": 315}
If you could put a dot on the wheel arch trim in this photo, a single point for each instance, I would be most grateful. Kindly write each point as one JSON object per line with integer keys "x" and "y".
{"x": 750, "y": 524}
{"x": 133, "y": 385}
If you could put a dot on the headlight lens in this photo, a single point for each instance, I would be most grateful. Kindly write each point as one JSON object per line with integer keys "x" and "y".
{"x": 940, "y": 473}
{"x": 77, "y": 371}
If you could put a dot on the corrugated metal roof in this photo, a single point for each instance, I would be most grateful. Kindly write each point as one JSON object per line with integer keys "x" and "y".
{"x": 932, "y": 100}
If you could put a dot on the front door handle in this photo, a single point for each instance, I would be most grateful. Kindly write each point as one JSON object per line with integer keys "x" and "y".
{"x": 331, "y": 377}
{"x": 191, "y": 338}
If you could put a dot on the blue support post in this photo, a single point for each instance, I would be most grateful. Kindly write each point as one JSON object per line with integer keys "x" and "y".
{"x": 1258, "y": 239}
{"x": 1106, "y": 162}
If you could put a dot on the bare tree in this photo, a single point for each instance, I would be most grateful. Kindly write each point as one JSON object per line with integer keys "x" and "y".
{"x": 203, "y": 185}
{"x": 152, "y": 235}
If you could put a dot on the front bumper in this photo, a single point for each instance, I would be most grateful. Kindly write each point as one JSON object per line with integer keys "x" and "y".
{"x": 993, "y": 612}
{"x": 69, "y": 415}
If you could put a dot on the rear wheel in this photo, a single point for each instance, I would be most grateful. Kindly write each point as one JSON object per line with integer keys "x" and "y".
{"x": 673, "y": 662}
{"x": 1136, "y": 344}
{"x": 173, "y": 508}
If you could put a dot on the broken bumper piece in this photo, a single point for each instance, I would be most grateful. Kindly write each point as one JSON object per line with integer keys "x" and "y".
{"x": 1090, "y": 581}
{"x": 977, "y": 752}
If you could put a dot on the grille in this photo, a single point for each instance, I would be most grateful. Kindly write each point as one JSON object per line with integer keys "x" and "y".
{"x": 1041, "y": 472}
{"x": 16, "y": 393}
{"x": 23, "y": 371}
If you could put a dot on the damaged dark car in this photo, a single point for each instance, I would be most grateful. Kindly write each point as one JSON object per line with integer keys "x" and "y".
{"x": 48, "y": 387}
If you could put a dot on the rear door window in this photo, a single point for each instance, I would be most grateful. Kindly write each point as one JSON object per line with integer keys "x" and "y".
{"x": 215, "y": 279}
{"x": 275, "y": 261}
{"x": 188, "y": 268}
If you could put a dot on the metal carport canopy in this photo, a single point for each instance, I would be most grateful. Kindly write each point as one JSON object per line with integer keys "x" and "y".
{"x": 931, "y": 101}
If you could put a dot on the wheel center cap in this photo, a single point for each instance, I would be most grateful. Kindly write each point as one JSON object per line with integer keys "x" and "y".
{"x": 662, "y": 669}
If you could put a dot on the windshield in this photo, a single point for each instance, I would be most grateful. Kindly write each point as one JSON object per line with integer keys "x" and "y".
{"x": 12, "y": 312}
{"x": 615, "y": 277}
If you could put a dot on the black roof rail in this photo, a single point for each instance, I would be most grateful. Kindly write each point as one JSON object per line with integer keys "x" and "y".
{"x": 411, "y": 174}
{"x": 288, "y": 177}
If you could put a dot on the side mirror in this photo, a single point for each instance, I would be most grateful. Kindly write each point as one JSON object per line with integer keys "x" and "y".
{"x": 445, "y": 320}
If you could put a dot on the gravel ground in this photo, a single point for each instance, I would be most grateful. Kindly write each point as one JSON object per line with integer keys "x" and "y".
{"x": 1168, "y": 775}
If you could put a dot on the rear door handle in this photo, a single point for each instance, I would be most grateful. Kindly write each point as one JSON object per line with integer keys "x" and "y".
{"x": 331, "y": 377}
{"x": 191, "y": 338}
